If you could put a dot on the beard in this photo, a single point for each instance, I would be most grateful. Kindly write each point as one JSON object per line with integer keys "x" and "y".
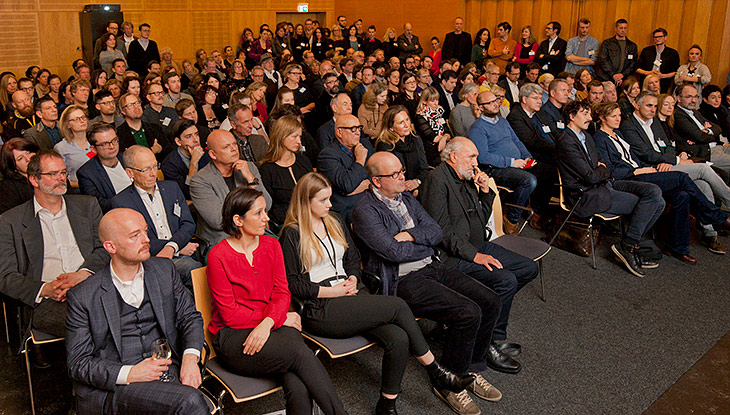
{"x": 26, "y": 112}
{"x": 467, "y": 173}
{"x": 58, "y": 189}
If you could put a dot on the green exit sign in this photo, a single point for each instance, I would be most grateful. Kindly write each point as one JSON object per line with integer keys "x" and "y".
{"x": 303, "y": 7}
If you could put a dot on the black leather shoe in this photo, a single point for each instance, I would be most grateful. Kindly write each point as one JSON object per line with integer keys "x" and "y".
{"x": 510, "y": 349}
{"x": 647, "y": 263}
{"x": 385, "y": 406}
{"x": 501, "y": 362}
{"x": 37, "y": 357}
{"x": 627, "y": 255}
{"x": 442, "y": 378}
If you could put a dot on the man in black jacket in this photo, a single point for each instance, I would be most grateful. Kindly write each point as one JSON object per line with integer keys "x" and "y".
{"x": 457, "y": 195}
{"x": 589, "y": 187}
{"x": 551, "y": 53}
{"x": 617, "y": 56}
{"x": 457, "y": 44}
{"x": 697, "y": 136}
{"x": 135, "y": 131}
{"x": 142, "y": 51}
{"x": 659, "y": 60}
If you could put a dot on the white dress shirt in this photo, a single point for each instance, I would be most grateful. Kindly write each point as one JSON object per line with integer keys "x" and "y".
{"x": 119, "y": 178}
{"x": 132, "y": 293}
{"x": 156, "y": 210}
{"x": 61, "y": 253}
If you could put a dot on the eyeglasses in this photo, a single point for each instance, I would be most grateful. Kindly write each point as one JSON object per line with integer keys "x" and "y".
{"x": 295, "y": 73}
{"x": 146, "y": 170}
{"x": 56, "y": 174}
{"x": 394, "y": 176}
{"x": 156, "y": 93}
{"x": 27, "y": 88}
{"x": 353, "y": 129}
{"x": 110, "y": 102}
{"x": 132, "y": 104}
{"x": 489, "y": 102}
{"x": 108, "y": 143}
{"x": 79, "y": 118}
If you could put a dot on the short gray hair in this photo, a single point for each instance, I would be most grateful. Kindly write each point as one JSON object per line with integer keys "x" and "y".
{"x": 644, "y": 94}
{"x": 528, "y": 89}
{"x": 452, "y": 146}
{"x": 466, "y": 90}
{"x": 130, "y": 154}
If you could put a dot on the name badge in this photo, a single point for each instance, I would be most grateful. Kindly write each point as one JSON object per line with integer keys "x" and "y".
{"x": 283, "y": 45}
{"x": 546, "y": 128}
{"x": 630, "y": 56}
{"x": 591, "y": 52}
{"x": 661, "y": 143}
{"x": 532, "y": 53}
{"x": 658, "y": 62}
{"x": 224, "y": 106}
{"x": 319, "y": 44}
{"x": 176, "y": 209}
{"x": 545, "y": 67}
{"x": 302, "y": 89}
{"x": 336, "y": 282}
{"x": 166, "y": 121}
{"x": 553, "y": 52}
{"x": 560, "y": 125}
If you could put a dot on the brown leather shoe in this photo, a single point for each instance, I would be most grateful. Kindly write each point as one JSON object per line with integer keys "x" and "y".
{"x": 687, "y": 259}
{"x": 509, "y": 227}
{"x": 713, "y": 245}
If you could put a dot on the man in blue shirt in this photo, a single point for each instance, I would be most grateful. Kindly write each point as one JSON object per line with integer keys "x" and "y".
{"x": 582, "y": 49}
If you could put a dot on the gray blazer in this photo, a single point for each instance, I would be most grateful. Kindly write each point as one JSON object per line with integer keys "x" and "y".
{"x": 21, "y": 245}
{"x": 39, "y": 136}
{"x": 93, "y": 328}
{"x": 208, "y": 190}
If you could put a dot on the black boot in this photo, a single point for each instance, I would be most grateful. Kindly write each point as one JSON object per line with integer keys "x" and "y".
{"x": 442, "y": 378}
{"x": 385, "y": 406}
{"x": 625, "y": 252}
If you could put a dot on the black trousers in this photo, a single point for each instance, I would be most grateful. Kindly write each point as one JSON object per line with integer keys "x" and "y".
{"x": 466, "y": 306}
{"x": 516, "y": 272}
{"x": 287, "y": 357}
{"x": 642, "y": 201}
{"x": 387, "y": 320}
{"x": 49, "y": 316}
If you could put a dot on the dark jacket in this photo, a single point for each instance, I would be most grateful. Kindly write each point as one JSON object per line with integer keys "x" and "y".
{"x": 612, "y": 157}
{"x": 375, "y": 225}
{"x": 670, "y": 63}
{"x": 687, "y": 130}
{"x": 508, "y": 92}
{"x": 173, "y": 168}
{"x": 345, "y": 175}
{"x": 444, "y": 102}
{"x": 179, "y": 219}
{"x": 641, "y": 146}
{"x": 138, "y": 57}
{"x": 539, "y": 142}
{"x": 581, "y": 172}
{"x": 457, "y": 47}
{"x": 21, "y": 245}
{"x": 554, "y": 115}
{"x": 94, "y": 181}
{"x": 39, "y": 136}
{"x": 326, "y": 133}
{"x": 609, "y": 59}
{"x": 94, "y": 338}
{"x": 300, "y": 285}
{"x": 15, "y": 190}
{"x": 411, "y": 154}
{"x": 409, "y": 47}
{"x": 152, "y": 132}
{"x": 371, "y": 45}
{"x": 553, "y": 57}
{"x": 443, "y": 195}
{"x": 719, "y": 116}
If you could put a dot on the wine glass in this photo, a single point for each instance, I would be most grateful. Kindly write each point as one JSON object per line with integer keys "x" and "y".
{"x": 161, "y": 350}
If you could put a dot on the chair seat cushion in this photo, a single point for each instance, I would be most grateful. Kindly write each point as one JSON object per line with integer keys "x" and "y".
{"x": 340, "y": 347}
{"x": 242, "y": 388}
{"x": 527, "y": 247}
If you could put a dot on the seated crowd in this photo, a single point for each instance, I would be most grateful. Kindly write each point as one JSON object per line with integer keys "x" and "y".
{"x": 308, "y": 157}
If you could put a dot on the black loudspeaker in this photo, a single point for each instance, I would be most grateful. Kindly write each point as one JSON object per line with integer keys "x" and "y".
{"x": 94, "y": 19}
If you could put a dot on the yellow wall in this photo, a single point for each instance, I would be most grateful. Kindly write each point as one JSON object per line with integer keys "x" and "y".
{"x": 46, "y": 32}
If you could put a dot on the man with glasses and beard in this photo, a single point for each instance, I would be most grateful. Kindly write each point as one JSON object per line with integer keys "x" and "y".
{"x": 48, "y": 245}
{"x": 22, "y": 118}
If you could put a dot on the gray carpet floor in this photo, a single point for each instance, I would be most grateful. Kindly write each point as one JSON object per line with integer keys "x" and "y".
{"x": 605, "y": 342}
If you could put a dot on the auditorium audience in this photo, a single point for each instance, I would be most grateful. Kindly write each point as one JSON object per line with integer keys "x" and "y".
{"x": 103, "y": 176}
{"x": 134, "y": 130}
{"x": 187, "y": 159}
{"x": 630, "y": 89}
{"x": 713, "y": 111}
{"x": 696, "y": 135}
{"x": 45, "y": 134}
{"x": 252, "y": 147}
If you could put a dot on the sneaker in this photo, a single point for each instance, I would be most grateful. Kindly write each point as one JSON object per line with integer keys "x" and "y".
{"x": 460, "y": 403}
{"x": 628, "y": 257}
{"x": 484, "y": 389}
{"x": 713, "y": 245}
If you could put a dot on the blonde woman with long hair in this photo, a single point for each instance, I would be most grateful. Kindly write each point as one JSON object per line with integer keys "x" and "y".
{"x": 431, "y": 125}
{"x": 323, "y": 268}
{"x": 74, "y": 147}
{"x": 374, "y": 104}
{"x": 283, "y": 165}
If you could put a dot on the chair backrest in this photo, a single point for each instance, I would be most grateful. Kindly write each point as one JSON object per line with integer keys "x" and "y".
{"x": 562, "y": 193}
{"x": 160, "y": 175}
{"x": 203, "y": 302}
{"x": 496, "y": 209}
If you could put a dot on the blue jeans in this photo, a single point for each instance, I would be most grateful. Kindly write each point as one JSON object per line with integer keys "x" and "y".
{"x": 521, "y": 182}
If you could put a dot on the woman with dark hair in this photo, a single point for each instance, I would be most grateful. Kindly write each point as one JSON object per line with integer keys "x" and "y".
{"x": 694, "y": 71}
{"x": 320, "y": 44}
{"x": 292, "y": 79}
{"x": 283, "y": 165}
{"x": 244, "y": 46}
{"x": 132, "y": 85}
{"x": 237, "y": 77}
{"x": 631, "y": 88}
{"x": 582, "y": 78}
{"x": 481, "y": 45}
{"x": 323, "y": 267}
{"x": 254, "y": 334}
{"x": 98, "y": 80}
{"x": 109, "y": 52}
{"x": 299, "y": 42}
{"x": 435, "y": 55}
{"x": 431, "y": 125}
{"x": 41, "y": 87}
{"x": 15, "y": 187}
{"x": 200, "y": 56}
{"x": 214, "y": 80}
{"x": 396, "y": 136}
{"x": 392, "y": 77}
{"x": 210, "y": 110}
{"x": 281, "y": 40}
{"x": 353, "y": 40}
{"x": 54, "y": 87}
{"x": 408, "y": 97}
{"x": 261, "y": 45}
{"x": 726, "y": 96}
{"x": 712, "y": 109}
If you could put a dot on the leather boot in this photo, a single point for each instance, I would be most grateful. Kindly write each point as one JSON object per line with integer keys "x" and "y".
{"x": 442, "y": 378}
{"x": 385, "y": 406}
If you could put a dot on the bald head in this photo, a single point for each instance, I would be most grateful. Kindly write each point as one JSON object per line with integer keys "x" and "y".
{"x": 123, "y": 232}
{"x": 22, "y": 103}
{"x": 217, "y": 138}
{"x": 382, "y": 161}
{"x": 135, "y": 153}
{"x": 223, "y": 148}
{"x": 114, "y": 221}
{"x": 346, "y": 120}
